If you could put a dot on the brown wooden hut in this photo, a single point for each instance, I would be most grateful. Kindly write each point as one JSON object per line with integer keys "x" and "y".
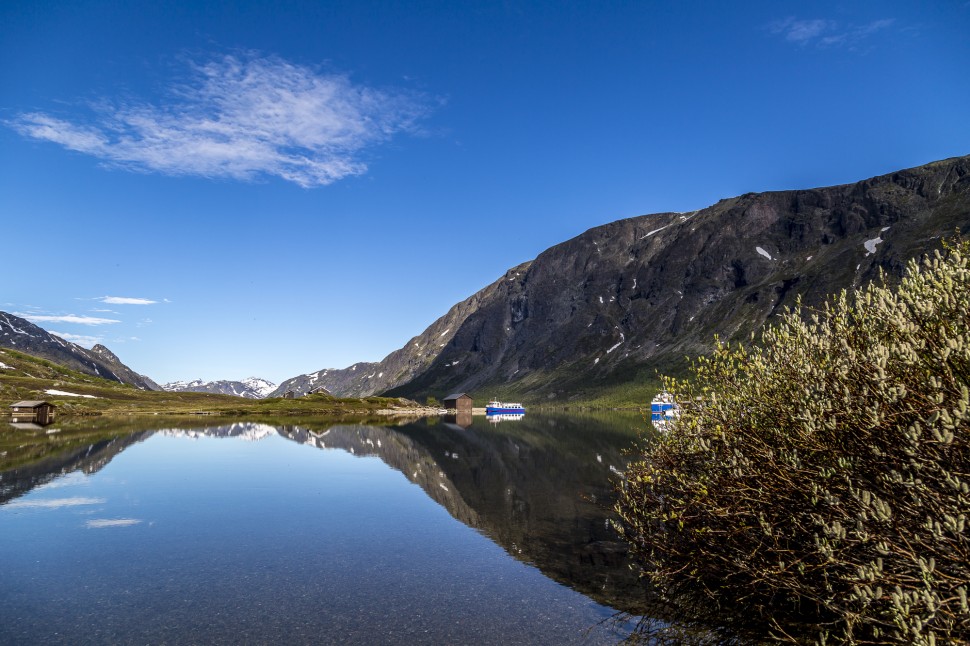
{"x": 459, "y": 402}
{"x": 32, "y": 411}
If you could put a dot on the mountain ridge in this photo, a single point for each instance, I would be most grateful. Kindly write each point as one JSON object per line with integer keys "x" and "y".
{"x": 401, "y": 365}
{"x": 625, "y": 300}
{"x": 250, "y": 388}
{"x": 20, "y": 334}
{"x": 597, "y": 317}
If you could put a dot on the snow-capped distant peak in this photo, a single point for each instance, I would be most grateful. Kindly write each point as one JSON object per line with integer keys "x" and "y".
{"x": 245, "y": 431}
{"x": 258, "y": 385}
{"x": 250, "y": 388}
{"x": 176, "y": 386}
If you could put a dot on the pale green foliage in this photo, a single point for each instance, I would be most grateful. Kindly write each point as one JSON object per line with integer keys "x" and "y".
{"x": 817, "y": 485}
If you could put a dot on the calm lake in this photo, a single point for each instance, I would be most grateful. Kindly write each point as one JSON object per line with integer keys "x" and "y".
{"x": 427, "y": 532}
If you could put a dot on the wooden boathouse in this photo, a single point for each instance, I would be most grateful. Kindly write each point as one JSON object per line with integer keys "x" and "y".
{"x": 39, "y": 412}
{"x": 459, "y": 402}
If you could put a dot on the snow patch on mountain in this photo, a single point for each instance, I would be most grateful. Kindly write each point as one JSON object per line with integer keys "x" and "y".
{"x": 261, "y": 386}
{"x": 245, "y": 431}
{"x": 250, "y": 388}
{"x": 63, "y": 393}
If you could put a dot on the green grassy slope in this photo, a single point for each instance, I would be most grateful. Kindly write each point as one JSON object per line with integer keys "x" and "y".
{"x": 23, "y": 376}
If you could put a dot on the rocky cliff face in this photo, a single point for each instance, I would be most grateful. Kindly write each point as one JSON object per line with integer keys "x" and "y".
{"x": 626, "y": 299}
{"x": 126, "y": 374}
{"x": 22, "y": 335}
{"x": 403, "y": 365}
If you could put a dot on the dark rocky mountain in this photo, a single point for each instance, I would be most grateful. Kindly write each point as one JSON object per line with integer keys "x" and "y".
{"x": 622, "y": 301}
{"x": 20, "y": 334}
{"x": 126, "y": 374}
{"x": 250, "y": 388}
{"x": 400, "y": 366}
{"x": 353, "y": 381}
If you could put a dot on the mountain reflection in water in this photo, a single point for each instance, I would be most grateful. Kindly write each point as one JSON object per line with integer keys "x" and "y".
{"x": 539, "y": 487}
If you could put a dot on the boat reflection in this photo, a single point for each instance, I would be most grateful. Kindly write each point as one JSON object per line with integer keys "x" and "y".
{"x": 495, "y": 418}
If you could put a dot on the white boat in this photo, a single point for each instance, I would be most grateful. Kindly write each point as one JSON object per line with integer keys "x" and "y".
{"x": 496, "y": 407}
{"x": 663, "y": 410}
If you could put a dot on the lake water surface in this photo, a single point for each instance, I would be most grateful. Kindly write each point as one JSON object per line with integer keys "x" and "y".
{"x": 309, "y": 533}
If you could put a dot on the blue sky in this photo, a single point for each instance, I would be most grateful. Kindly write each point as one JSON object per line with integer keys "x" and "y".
{"x": 220, "y": 190}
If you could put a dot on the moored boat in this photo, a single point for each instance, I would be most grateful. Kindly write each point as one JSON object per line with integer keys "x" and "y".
{"x": 663, "y": 410}
{"x": 496, "y": 407}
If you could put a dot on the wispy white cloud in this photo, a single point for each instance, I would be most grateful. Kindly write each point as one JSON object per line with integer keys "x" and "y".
{"x": 124, "y": 300}
{"x": 73, "y": 479}
{"x": 80, "y": 339}
{"x": 874, "y": 26}
{"x": 53, "y": 503}
{"x": 111, "y": 522}
{"x": 125, "y": 339}
{"x": 241, "y": 117}
{"x": 825, "y": 33}
{"x": 802, "y": 31}
{"x": 66, "y": 318}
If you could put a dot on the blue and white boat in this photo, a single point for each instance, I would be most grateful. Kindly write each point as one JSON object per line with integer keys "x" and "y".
{"x": 663, "y": 410}
{"x": 495, "y": 407}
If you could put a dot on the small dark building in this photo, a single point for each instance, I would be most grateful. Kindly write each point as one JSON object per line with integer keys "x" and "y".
{"x": 32, "y": 411}
{"x": 289, "y": 394}
{"x": 459, "y": 402}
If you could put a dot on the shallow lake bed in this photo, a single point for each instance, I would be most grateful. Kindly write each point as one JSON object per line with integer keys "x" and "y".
{"x": 424, "y": 533}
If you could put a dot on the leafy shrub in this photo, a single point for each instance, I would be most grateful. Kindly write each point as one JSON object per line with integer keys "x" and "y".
{"x": 816, "y": 486}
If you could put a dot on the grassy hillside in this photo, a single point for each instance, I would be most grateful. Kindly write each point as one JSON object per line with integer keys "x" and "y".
{"x": 23, "y": 376}
{"x": 630, "y": 385}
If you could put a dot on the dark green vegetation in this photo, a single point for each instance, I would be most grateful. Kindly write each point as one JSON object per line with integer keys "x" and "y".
{"x": 29, "y": 377}
{"x": 816, "y": 487}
